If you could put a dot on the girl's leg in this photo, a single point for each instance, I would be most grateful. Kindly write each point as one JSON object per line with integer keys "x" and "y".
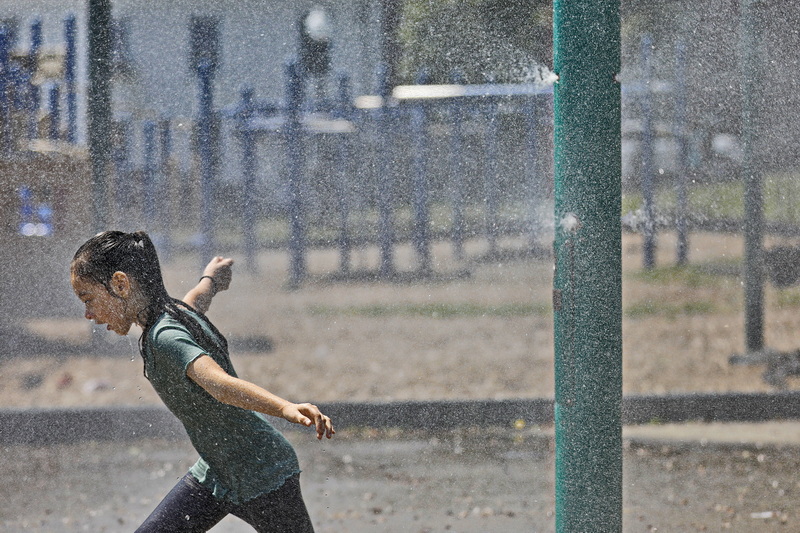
{"x": 280, "y": 511}
{"x": 188, "y": 508}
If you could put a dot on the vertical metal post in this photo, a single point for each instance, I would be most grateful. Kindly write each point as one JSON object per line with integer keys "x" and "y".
{"x": 534, "y": 184}
{"x": 121, "y": 156}
{"x": 587, "y": 281}
{"x": 247, "y": 143}
{"x": 457, "y": 168}
{"x": 164, "y": 214}
{"x": 491, "y": 174}
{"x": 205, "y": 146}
{"x": 681, "y": 136}
{"x": 33, "y": 89}
{"x": 99, "y": 105}
{"x": 753, "y": 194}
{"x": 149, "y": 176}
{"x": 295, "y": 163}
{"x": 54, "y": 98}
{"x": 419, "y": 189}
{"x": 5, "y": 101}
{"x": 648, "y": 168}
{"x": 385, "y": 176}
{"x": 36, "y": 41}
{"x": 343, "y": 164}
{"x": 70, "y": 60}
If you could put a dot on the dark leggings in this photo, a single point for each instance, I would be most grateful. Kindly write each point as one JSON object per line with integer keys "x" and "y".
{"x": 191, "y": 508}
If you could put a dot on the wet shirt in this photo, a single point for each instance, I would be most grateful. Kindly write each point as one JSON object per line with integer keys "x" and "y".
{"x": 241, "y": 455}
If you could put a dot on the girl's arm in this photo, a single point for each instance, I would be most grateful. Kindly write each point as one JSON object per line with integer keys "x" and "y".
{"x": 240, "y": 393}
{"x": 216, "y": 277}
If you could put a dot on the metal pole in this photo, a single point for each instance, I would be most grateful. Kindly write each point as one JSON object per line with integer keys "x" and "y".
{"x": 490, "y": 175}
{"x": 680, "y": 133}
{"x": 205, "y": 146}
{"x": 99, "y": 105}
{"x": 457, "y": 168}
{"x": 648, "y": 168}
{"x": 295, "y": 163}
{"x": 385, "y": 176}
{"x": 343, "y": 172}
{"x": 247, "y": 142}
{"x": 164, "y": 214}
{"x": 587, "y": 292}
{"x": 419, "y": 192}
{"x": 33, "y": 89}
{"x": 55, "y": 112}
{"x": 535, "y": 191}
{"x": 149, "y": 176}
{"x": 753, "y": 194}
{"x": 5, "y": 101}
{"x": 70, "y": 61}
{"x": 121, "y": 156}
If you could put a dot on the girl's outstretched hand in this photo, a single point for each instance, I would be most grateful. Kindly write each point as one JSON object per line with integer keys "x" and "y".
{"x": 219, "y": 268}
{"x": 309, "y": 415}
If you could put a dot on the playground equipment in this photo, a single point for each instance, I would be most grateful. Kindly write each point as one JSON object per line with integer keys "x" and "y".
{"x": 44, "y": 207}
{"x": 377, "y": 124}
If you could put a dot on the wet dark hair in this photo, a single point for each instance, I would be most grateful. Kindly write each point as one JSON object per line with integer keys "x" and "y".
{"x": 135, "y": 255}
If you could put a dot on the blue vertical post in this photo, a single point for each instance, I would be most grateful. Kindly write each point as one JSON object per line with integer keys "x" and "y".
{"x": 342, "y": 165}
{"x": 165, "y": 202}
{"x": 648, "y": 168}
{"x": 5, "y": 103}
{"x": 70, "y": 60}
{"x": 247, "y": 142}
{"x": 55, "y": 112}
{"x": 680, "y": 134}
{"x": 18, "y": 80}
{"x": 205, "y": 147}
{"x": 34, "y": 95}
{"x": 490, "y": 174}
{"x": 295, "y": 162}
{"x": 149, "y": 175}
{"x": 121, "y": 157}
{"x": 457, "y": 168}
{"x": 36, "y": 41}
{"x": 385, "y": 177}
{"x": 419, "y": 190}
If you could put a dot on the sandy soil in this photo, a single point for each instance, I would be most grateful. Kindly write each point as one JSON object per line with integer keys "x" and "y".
{"x": 499, "y": 480}
{"x": 488, "y": 335}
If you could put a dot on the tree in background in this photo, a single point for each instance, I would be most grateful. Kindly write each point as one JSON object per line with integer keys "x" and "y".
{"x": 504, "y": 40}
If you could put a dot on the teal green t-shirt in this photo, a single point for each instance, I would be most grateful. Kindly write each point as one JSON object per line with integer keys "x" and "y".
{"x": 241, "y": 455}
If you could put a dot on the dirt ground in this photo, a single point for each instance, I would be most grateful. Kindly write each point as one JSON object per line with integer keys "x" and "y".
{"x": 486, "y": 335}
{"x": 695, "y": 477}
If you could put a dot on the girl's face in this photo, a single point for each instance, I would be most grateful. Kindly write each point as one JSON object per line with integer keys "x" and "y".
{"x": 114, "y": 310}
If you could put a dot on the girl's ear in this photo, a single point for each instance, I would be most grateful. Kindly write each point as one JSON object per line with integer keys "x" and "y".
{"x": 120, "y": 284}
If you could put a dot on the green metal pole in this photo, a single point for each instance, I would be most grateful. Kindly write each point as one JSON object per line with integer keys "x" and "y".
{"x": 587, "y": 295}
{"x": 753, "y": 197}
{"x": 99, "y": 106}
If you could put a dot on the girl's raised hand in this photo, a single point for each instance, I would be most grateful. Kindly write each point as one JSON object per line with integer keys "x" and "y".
{"x": 309, "y": 415}
{"x": 219, "y": 268}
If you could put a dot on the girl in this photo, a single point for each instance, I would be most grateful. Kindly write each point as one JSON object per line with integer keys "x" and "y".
{"x": 246, "y": 467}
